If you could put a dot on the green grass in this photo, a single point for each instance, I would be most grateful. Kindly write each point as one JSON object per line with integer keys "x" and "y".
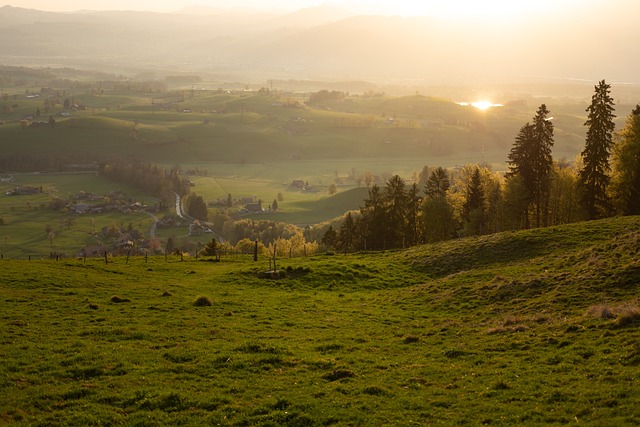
{"x": 25, "y": 218}
{"x": 248, "y": 128}
{"x": 503, "y": 330}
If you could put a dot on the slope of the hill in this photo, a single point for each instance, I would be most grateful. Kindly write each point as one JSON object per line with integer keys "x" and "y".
{"x": 538, "y": 327}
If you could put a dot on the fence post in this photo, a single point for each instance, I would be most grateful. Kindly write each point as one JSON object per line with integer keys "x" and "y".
{"x": 255, "y": 253}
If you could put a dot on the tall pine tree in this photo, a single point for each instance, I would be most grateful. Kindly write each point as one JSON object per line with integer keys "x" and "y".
{"x": 594, "y": 176}
{"x": 531, "y": 159}
{"x": 473, "y": 212}
{"x": 542, "y": 162}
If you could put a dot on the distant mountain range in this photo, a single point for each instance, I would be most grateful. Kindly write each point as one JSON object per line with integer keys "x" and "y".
{"x": 326, "y": 42}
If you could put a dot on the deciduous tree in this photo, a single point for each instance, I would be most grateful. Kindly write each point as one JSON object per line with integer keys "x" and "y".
{"x": 626, "y": 165}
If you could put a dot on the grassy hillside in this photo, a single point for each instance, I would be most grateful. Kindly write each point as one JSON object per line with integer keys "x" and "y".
{"x": 208, "y": 126}
{"x": 537, "y": 327}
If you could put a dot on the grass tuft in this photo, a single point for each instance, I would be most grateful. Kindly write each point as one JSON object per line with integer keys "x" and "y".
{"x": 601, "y": 311}
{"x": 628, "y": 315}
{"x": 117, "y": 299}
{"x": 338, "y": 374}
{"x": 167, "y": 294}
{"x": 203, "y": 301}
{"x": 410, "y": 339}
{"x": 625, "y": 314}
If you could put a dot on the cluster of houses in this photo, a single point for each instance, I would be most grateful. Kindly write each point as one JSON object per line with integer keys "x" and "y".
{"x": 114, "y": 201}
{"x": 23, "y": 190}
{"x": 300, "y": 185}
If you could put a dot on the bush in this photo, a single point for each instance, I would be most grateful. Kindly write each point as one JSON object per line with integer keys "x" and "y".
{"x": 116, "y": 299}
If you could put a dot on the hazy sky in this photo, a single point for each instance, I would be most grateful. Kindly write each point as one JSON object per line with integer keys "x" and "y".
{"x": 443, "y": 8}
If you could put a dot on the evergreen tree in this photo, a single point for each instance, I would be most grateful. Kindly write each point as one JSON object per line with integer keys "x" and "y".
{"x": 626, "y": 165}
{"x": 438, "y": 183}
{"x": 211, "y": 248}
{"x": 542, "y": 162}
{"x": 594, "y": 176}
{"x": 396, "y": 202}
{"x": 530, "y": 158}
{"x": 274, "y": 205}
{"x": 330, "y": 237}
{"x": 196, "y": 207}
{"x": 347, "y": 234}
{"x": 473, "y": 212}
{"x": 229, "y": 201}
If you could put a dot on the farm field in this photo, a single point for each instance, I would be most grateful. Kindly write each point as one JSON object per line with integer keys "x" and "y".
{"x": 26, "y": 218}
{"x": 538, "y": 327}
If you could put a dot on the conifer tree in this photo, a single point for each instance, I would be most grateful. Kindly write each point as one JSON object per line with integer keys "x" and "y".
{"x": 594, "y": 176}
{"x": 438, "y": 183}
{"x": 531, "y": 159}
{"x": 473, "y": 211}
{"x": 330, "y": 237}
{"x": 347, "y": 234}
{"x": 542, "y": 162}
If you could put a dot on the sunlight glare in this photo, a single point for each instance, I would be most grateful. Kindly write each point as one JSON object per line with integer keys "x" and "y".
{"x": 480, "y": 105}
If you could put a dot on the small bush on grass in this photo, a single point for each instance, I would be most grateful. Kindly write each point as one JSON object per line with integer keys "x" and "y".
{"x": 203, "y": 301}
{"x": 116, "y": 299}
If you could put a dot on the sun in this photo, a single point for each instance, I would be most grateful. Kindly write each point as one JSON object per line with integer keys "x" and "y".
{"x": 482, "y": 105}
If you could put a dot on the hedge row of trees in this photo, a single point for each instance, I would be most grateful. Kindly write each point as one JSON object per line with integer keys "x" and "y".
{"x": 147, "y": 177}
{"x": 536, "y": 191}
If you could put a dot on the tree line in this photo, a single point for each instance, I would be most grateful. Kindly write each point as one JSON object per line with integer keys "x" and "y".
{"x": 147, "y": 177}
{"x": 536, "y": 191}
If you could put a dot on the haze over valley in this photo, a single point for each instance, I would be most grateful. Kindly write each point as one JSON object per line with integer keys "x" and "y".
{"x": 571, "y": 40}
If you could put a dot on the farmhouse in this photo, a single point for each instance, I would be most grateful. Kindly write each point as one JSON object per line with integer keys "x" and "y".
{"x": 24, "y": 190}
{"x": 253, "y": 208}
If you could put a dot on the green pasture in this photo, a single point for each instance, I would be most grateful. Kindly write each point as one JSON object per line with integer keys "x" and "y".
{"x": 26, "y": 218}
{"x": 249, "y": 128}
{"x": 538, "y": 327}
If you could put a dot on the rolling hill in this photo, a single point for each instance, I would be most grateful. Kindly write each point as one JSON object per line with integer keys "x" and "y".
{"x": 526, "y": 328}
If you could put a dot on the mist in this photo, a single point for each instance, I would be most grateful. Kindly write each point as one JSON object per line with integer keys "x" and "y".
{"x": 330, "y": 43}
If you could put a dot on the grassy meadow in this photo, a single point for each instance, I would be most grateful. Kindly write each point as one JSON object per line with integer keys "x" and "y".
{"x": 538, "y": 327}
{"x": 26, "y": 218}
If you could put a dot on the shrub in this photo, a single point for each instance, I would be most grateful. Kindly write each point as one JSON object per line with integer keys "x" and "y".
{"x": 203, "y": 301}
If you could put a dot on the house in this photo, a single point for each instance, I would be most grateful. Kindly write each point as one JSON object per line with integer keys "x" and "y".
{"x": 24, "y": 190}
{"x": 80, "y": 208}
{"x": 253, "y": 208}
